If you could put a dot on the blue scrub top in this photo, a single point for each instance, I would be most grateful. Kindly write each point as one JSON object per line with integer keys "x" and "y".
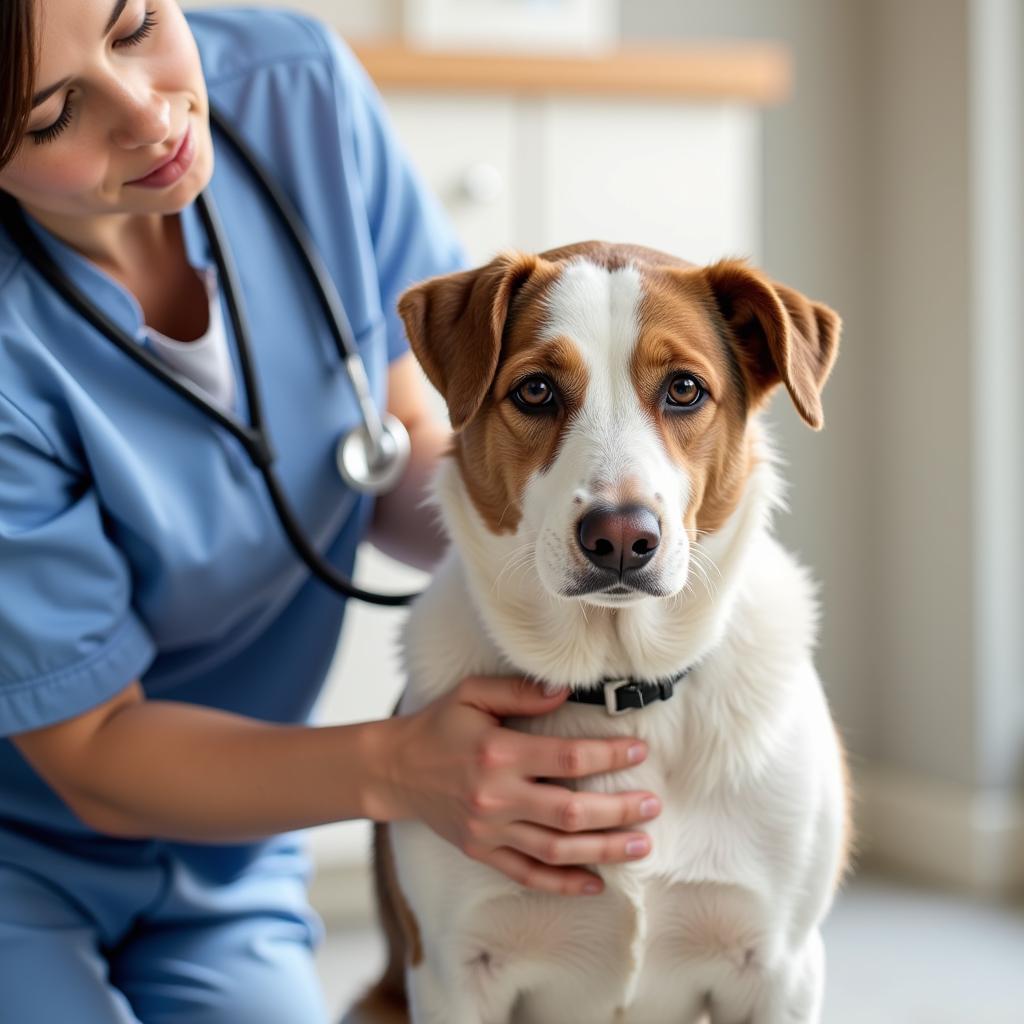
{"x": 136, "y": 538}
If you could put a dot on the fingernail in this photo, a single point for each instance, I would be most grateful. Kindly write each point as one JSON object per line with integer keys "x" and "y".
{"x": 592, "y": 888}
{"x": 650, "y": 807}
{"x": 636, "y": 847}
{"x": 635, "y": 753}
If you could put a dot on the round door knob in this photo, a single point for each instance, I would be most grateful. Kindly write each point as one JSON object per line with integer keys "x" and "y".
{"x": 480, "y": 183}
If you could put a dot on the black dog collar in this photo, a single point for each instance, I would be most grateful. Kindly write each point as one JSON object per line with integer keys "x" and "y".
{"x": 619, "y": 696}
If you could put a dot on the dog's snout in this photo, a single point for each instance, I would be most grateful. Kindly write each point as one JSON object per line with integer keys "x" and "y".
{"x": 619, "y": 538}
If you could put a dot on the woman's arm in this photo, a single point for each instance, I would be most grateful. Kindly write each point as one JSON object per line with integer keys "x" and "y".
{"x": 134, "y": 767}
{"x": 138, "y": 768}
{"x": 401, "y": 526}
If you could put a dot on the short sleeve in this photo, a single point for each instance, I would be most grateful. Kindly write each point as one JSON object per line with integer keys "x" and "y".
{"x": 69, "y": 638}
{"x": 413, "y": 237}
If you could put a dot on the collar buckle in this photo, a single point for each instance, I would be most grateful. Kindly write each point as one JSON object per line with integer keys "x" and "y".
{"x": 611, "y": 702}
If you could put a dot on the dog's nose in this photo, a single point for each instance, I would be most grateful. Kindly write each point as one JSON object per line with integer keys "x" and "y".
{"x": 619, "y": 538}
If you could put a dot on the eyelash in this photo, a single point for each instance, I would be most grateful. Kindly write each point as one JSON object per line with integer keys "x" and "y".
{"x": 147, "y": 26}
{"x": 51, "y": 132}
{"x": 43, "y": 135}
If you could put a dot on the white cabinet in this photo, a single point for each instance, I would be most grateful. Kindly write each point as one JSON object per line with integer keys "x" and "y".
{"x": 465, "y": 148}
{"x": 539, "y": 172}
{"x": 678, "y": 178}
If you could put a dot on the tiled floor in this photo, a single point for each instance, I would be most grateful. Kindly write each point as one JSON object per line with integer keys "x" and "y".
{"x": 896, "y": 955}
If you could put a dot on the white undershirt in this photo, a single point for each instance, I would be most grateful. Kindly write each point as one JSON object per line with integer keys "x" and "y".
{"x": 206, "y": 360}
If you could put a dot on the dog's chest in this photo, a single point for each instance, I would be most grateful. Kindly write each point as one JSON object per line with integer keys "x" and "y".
{"x": 695, "y": 914}
{"x": 628, "y": 959}
{"x": 710, "y": 828}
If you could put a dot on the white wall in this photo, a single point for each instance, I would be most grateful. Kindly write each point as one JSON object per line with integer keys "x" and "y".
{"x": 893, "y": 191}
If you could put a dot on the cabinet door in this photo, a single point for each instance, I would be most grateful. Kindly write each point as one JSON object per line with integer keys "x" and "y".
{"x": 462, "y": 145}
{"x": 680, "y": 178}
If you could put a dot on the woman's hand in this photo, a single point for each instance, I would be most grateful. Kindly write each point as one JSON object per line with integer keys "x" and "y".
{"x": 454, "y": 767}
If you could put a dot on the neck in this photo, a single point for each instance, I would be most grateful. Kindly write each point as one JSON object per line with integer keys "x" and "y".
{"x": 117, "y": 243}
{"x": 576, "y": 644}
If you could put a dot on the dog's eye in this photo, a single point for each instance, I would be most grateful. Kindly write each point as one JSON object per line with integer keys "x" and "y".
{"x": 685, "y": 390}
{"x": 534, "y": 393}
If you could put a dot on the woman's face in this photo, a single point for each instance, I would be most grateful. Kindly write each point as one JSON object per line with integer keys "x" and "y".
{"x": 130, "y": 96}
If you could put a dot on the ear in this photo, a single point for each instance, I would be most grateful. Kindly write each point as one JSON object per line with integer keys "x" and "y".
{"x": 778, "y": 334}
{"x": 455, "y": 325}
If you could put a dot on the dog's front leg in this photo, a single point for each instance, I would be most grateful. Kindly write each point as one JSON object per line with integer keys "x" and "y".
{"x": 441, "y": 993}
{"x": 434, "y": 999}
{"x": 793, "y": 994}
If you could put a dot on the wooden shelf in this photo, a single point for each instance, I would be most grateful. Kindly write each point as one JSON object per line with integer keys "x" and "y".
{"x": 755, "y": 73}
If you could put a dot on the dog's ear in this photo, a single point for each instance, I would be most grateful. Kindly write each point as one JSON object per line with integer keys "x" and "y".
{"x": 455, "y": 325}
{"x": 778, "y": 334}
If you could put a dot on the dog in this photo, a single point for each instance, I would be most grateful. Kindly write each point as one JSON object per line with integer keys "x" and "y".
{"x": 609, "y": 496}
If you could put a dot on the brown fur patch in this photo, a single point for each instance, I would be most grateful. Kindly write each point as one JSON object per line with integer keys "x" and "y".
{"x": 503, "y": 447}
{"x": 456, "y": 323}
{"x": 848, "y": 842}
{"x": 377, "y": 1007}
{"x": 677, "y": 334}
{"x": 777, "y": 335}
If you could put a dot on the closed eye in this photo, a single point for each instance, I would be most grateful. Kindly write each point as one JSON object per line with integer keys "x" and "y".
{"x": 51, "y": 131}
{"x": 144, "y": 30}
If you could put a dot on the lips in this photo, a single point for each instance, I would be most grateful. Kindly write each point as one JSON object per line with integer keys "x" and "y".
{"x": 170, "y": 169}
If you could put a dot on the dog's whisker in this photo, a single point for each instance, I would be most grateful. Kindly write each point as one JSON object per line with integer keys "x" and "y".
{"x": 501, "y": 518}
{"x": 701, "y": 562}
{"x": 518, "y": 558}
{"x": 509, "y": 572}
{"x": 708, "y": 561}
{"x": 700, "y": 552}
{"x": 705, "y": 579}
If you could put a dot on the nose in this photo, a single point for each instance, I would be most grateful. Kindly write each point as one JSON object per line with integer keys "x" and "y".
{"x": 619, "y": 538}
{"x": 144, "y": 118}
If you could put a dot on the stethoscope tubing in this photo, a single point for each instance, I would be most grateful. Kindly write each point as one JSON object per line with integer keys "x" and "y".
{"x": 326, "y": 293}
{"x": 253, "y": 437}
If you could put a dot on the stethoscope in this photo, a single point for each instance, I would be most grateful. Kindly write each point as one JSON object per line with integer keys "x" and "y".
{"x": 371, "y": 457}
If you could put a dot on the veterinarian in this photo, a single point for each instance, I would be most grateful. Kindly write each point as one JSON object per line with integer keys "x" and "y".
{"x": 161, "y": 644}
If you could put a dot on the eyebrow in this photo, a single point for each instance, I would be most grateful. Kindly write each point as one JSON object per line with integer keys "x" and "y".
{"x": 44, "y": 94}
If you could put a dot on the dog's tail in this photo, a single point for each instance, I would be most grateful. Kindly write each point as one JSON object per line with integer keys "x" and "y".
{"x": 386, "y": 1003}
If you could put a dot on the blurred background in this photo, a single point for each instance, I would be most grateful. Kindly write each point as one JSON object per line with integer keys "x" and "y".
{"x": 869, "y": 153}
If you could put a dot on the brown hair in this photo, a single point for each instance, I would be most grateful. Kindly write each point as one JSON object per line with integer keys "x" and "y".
{"x": 17, "y": 73}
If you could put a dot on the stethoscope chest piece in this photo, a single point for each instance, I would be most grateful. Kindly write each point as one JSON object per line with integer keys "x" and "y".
{"x": 374, "y": 468}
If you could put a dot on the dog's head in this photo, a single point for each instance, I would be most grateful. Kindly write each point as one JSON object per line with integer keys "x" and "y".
{"x": 601, "y": 396}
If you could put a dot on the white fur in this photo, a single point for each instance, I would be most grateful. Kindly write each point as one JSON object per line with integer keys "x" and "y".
{"x": 610, "y": 441}
{"x": 724, "y": 913}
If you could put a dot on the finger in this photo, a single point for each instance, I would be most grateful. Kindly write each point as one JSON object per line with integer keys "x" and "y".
{"x": 543, "y": 878}
{"x": 559, "y": 848}
{"x": 557, "y": 758}
{"x": 571, "y": 811}
{"x": 505, "y": 696}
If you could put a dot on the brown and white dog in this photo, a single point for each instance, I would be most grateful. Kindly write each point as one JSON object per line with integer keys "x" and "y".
{"x": 608, "y": 499}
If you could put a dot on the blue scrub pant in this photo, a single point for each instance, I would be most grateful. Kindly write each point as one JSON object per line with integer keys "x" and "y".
{"x": 96, "y": 941}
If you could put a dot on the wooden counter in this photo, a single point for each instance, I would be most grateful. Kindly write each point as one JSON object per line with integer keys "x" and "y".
{"x": 755, "y": 73}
